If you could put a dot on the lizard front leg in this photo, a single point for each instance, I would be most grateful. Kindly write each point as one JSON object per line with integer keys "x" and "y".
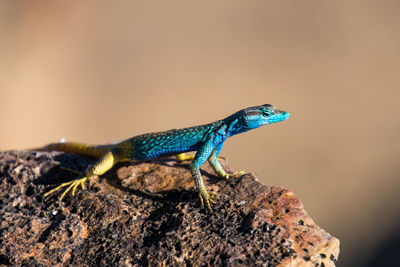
{"x": 201, "y": 156}
{"x": 106, "y": 162}
{"x": 216, "y": 165}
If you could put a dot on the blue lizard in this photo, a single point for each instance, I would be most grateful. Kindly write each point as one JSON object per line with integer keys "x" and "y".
{"x": 207, "y": 140}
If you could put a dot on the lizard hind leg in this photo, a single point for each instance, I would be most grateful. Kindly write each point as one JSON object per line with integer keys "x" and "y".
{"x": 106, "y": 162}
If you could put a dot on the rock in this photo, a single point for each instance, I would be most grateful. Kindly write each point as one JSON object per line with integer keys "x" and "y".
{"x": 149, "y": 214}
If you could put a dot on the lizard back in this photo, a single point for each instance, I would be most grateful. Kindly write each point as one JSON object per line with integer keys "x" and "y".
{"x": 153, "y": 145}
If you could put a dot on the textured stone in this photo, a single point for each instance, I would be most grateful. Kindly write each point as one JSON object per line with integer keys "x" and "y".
{"x": 149, "y": 214}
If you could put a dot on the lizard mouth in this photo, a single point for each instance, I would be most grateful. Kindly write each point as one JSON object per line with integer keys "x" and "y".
{"x": 281, "y": 116}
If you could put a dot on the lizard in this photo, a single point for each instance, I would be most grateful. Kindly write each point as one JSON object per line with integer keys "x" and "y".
{"x": 206, "y": 140}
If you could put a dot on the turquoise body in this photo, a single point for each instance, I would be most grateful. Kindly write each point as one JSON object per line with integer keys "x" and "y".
{"x": 204, "y": 138}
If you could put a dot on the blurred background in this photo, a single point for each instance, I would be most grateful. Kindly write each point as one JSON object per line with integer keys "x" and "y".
{"x": 102, "y": 71}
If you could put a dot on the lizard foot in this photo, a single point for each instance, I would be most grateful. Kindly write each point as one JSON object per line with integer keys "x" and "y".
{"x": 71, "y": 185}
{"x": 208, "y": 198}
{"x": 234, "y": 175}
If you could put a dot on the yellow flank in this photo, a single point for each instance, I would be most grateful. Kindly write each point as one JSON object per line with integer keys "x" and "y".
{"x": 184, "y": 157}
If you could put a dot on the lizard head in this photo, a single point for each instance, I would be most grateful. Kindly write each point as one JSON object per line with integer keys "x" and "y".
{"x": 254, "y": 117}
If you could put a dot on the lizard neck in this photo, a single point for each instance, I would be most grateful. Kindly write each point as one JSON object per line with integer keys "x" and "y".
{"x": 234, "y": 125}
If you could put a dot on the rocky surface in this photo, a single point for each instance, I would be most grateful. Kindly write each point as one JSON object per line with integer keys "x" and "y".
{"x": 149, "y": 214}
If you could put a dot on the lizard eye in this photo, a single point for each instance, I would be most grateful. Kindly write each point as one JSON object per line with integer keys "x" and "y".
{"x": 266, "y": 112}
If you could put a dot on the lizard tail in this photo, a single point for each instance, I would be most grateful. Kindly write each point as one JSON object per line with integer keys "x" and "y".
{"x": 77, "y": 148}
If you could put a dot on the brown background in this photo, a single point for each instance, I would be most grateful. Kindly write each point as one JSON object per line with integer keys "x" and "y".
{"x": 104, "y": 71}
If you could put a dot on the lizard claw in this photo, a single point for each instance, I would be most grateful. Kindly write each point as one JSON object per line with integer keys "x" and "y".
{"x": 208, "y": 198}
{"x": 235, "y": 174}
{"x": 70, "y": 185}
